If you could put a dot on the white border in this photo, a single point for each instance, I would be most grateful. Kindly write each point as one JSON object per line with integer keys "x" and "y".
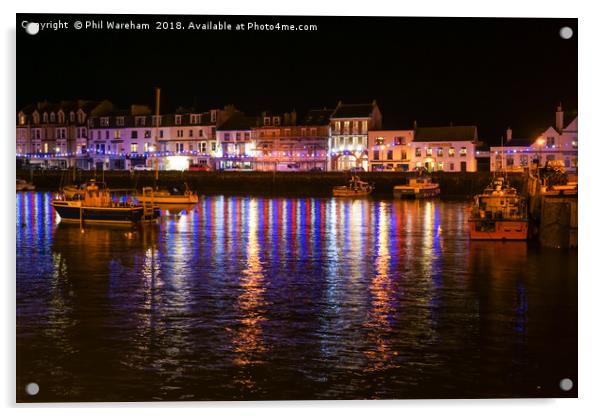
{"x": 590, "y": 94}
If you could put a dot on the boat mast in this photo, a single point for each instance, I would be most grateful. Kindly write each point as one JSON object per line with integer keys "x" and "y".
{"x": 157, "y": 112}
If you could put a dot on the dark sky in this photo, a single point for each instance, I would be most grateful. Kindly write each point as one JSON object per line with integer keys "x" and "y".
{"x": 490, "y": 72}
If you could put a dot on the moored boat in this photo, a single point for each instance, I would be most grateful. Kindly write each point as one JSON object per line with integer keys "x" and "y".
{"x": 162, "y": 197}
{"x": 23, "y": 185}
{"x": 355, "y": 188}
{"x": 499, "y": 213}
{"x": 97, "y": 207}
{"x": 417, "y": 188}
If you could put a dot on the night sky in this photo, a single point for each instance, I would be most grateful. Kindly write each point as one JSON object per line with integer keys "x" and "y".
{"x": 493, "y": 73}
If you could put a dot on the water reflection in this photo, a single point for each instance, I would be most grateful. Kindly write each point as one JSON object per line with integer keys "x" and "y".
{"x": 275, "y": 298}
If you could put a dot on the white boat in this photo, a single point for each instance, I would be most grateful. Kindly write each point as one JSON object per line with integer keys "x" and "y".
{"x": 161, "y": 197}
{"x": 23, "y": 185}
{"x": 355, "y": 188}
{"x": 417, "y": 188}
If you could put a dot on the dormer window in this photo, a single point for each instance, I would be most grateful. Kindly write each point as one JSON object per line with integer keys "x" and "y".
{"x": 213, "y": 116}
{"x": 22, "y": 119}
{"x": 72, "y": 117}
{"x": 119, "y": 121}
{"x": 45, "y": 117}
{"x": 61, "y": 117}
{"x": 104, "y": 121}
{"x": 52, "y": 118}
{"x": 276, "y": 121}
{"x": 178, "y": 119}
{"x": 140, "y": 121}
{"x": 157, "y": 121}
{"x": 266, "y": 121}
{"x": 195, "y": 118}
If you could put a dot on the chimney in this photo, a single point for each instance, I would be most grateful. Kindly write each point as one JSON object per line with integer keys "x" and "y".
{"x": 508, "y": 134}
{"x": 559, "y": 118}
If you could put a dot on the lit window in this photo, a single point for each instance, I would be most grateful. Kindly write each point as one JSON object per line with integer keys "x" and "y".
{"x": 429, "y": 151}
{"x": 134, "y": 148}
{"x": 439, "y": 152}
{"x": 418, "y": 152}
{"x": 451, "y": 151}
{"x": 463, "y": 151}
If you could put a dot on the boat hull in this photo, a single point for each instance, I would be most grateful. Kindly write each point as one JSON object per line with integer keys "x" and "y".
{"x": 411, "y": 193}
{"x": 488, "y": 229}
{"x": 101, "y": 215}
{"x": 171, "y": 199}
{"x": 349, "y": 193}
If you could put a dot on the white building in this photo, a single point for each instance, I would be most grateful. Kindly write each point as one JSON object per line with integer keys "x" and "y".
{"x": 558, "y": 143}
{"x": 390, "y": 150}
{"x": 447, "y": 149}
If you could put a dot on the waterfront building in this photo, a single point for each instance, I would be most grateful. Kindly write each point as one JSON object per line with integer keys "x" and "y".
{"x": 236, "y": 141}
{"x": 349, "y": 127}
{"x": 124, "y": 139}
{"x": 555, "y": 143}
{"x": 282, "y": 144}
{"x": 55, "y": 134}
{"x": 390, "y": 150}
{"x": 446, "y": 149}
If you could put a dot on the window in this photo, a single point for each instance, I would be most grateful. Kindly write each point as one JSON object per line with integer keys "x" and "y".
{"x": 451, "y": 167}
{"x": 190, "y": 133}
{"x": 117, "y": 134}
{"x": 52, "y": 117}
{"x": 364, "y": 126}
{"x": 404, "y": 155}
{"x": 567, "y": 163}
{"x": 247, "y": 136}
{"x": 140, "y": 121}
{"x": 237, "y": 136}
{"x": 380, "y": 141}
{"x": 389, "y": 154}
{"x": 440, "y": 166}
{"x": 134, "y": 134}
{"x": 337, "y": 126}
{"x": 179, "y": 133}
{"x": 104, "y": 121}
{"x": 161, "y": 133}
{"x": 509, "y": 161}
{"x": 574, "y": 144}
{"x": 201, "y": 133}
{"x": 439, "y": 152}
{"x": 178, "y": 119}
{"x": 213, "y": 146}
{"x": 22, "y": 119}
{"x": 276, "y": 121}
{"x": 119, "y": 121}
{"x": 203, "y": 147}
{"x": 313, "y": 131}
{"x": 213, "y": 116}
{"x": 45, "y": 118}
{"x": 451, "y": 152}
{"x": 524, "y": 160}
{"x": 157, "y": 121}
{"x": 61, "y": 117}
{"x": 549, "y": 157}
{"x": 195, "y": 118}
{"x": 146, "y": 146}
{"x": 549, "y": 141}
{"x": 418, "y": 152}
{"x": 72, "y": 117}
{"x": 399, "y": 141}
{"x": 227, "y": 136}
{"x": 134, "y": 148}
{"x": 429, "y": 151}
{"x": 463, "y": 151}
{"x": 346, "y": 126}
{"x": 376, "y": 155}
{"x": 266, "y": 121}
{"x": 106, "y": 134}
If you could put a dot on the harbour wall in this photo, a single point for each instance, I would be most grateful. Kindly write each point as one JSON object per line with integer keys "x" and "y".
{"x": 461, "y": 185}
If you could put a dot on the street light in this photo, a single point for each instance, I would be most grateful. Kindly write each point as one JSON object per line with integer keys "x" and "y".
{"x": 540, "y": 142}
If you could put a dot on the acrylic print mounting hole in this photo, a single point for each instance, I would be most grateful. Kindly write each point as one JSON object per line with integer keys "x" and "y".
{"x": 32, "y": 389}
{"x": 566, "y": 384}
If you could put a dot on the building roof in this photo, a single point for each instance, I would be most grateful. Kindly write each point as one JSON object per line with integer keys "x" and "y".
{"x": 238, "y": 121}
{"x": 318, "y": 117}
{"x": 452, "y": 133}
{"x": 353, "y": 110}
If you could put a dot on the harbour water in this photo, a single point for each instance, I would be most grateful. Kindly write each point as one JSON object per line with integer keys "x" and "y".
{"x": 250, "y": 298}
